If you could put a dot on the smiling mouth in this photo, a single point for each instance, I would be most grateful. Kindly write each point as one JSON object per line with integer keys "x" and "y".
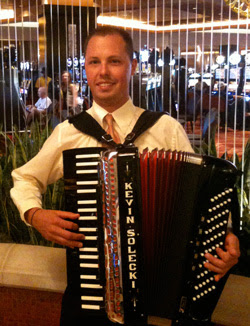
{"x": 105, "y": 84}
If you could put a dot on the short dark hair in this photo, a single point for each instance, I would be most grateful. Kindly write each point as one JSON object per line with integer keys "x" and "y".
{"x": 110, "y": 30}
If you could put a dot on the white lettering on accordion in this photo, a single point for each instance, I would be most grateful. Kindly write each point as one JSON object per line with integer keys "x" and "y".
{"x": 131, "y": 235}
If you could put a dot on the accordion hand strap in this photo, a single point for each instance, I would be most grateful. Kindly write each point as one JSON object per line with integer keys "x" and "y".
{"x": 88, "y": 125}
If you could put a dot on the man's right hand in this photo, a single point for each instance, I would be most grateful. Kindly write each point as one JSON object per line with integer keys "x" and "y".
{"x": 54, "y": 226}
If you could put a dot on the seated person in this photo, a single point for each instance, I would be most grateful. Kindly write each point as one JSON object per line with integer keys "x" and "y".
{"x": 38, "y": 111}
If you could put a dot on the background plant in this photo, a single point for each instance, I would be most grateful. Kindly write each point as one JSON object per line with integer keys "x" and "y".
{"x": 17, "y": 149}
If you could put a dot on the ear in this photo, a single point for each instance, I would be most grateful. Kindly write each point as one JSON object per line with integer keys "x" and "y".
{"x": 133, "y": 67}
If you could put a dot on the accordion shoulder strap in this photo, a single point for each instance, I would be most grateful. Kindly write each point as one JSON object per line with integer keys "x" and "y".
{"x": 146, "y": 120}
{"x": 88, "y": 125}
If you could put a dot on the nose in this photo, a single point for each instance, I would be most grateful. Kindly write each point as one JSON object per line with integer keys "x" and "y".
{"x": 104, "y": 70}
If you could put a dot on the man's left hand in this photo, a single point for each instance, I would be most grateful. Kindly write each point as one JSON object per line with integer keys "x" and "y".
{"x": 226, "y": 259}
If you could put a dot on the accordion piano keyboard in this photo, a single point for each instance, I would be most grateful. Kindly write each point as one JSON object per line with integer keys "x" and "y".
{"x": 92, "y": 297}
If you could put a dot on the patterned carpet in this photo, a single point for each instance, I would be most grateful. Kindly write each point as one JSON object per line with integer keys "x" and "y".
{"x": 231, "y": 141}
{"x": 227, "y": 140}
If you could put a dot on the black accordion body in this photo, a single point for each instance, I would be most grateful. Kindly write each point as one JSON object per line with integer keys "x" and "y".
{"x": 148, "y": 220}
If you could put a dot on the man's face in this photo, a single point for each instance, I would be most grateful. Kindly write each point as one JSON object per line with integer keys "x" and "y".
{"x": 40, "y": 93}
{"x": 108, "y": 69}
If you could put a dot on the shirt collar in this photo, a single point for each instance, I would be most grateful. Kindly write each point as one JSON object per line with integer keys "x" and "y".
{"x": 122, "y": 116}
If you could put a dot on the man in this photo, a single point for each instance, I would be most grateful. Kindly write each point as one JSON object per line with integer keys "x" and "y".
{"x": 39, "y": 110}
{"x": 109, "y": 66}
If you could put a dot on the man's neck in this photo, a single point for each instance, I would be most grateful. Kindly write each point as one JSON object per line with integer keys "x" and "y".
{"x": 111, "y": 107}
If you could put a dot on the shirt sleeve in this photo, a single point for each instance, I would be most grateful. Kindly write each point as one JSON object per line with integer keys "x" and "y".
{"x": 173, "y": 134}
{"x": 181, "y": 140}
{"x": 30, "y": 180}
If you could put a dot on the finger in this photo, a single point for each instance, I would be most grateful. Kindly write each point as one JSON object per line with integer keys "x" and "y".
{"x": 65, "y": 215}
{"x": 64, "y": 224}
{"x": 224, "y": 255}
{"x": 68, "y": 238}
{"x": 213, "y": 268}
{"x": 214, "y": 260}
{"x": 68, "y": 243}
{"x": 68, "y": 235}
{"x": 232, "y": 244}
{"x": 218, "y": 277}
{"x": 230, "y": 257}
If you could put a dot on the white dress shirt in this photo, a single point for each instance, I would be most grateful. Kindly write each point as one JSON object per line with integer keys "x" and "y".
{"x": 31, "y": 180}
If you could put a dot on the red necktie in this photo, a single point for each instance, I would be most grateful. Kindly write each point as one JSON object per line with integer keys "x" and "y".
{"x": 111, "y": 131}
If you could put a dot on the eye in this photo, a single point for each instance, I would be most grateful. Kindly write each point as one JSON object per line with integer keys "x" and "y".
{"x": 93, "y": 62}
{"x": 115, "y": 61}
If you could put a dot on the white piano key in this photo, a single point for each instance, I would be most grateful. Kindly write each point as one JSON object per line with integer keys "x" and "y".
{"x": 88, "y": 249}
{"x": 87, "y": 210}
{"x": 91, "y": 286}
{"x": 88, "y": 298}
{"x": 87, "y": 163}
{"x": 87, "y": 229}
{"x": 92, "y": 307}
{"x": 86, "y": 191}
{"x": 85, "y": 171}
{"x": 90, "y": 238}
{"x": 89, "y": 256}
{"x": 86, "y": 202}
{"x": 87, "y": 218}
{"x": 81, "y": 156}
{"x": 87, "y": 183}
{"x": 88, "y": 277}
{"x": 85, "y": 265}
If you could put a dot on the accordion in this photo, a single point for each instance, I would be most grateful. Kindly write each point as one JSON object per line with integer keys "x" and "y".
{"x": 148, "y": 220}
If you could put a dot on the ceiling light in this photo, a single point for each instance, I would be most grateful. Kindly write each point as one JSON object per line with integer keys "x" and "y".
{"x": 220, "y": 59}
{"x": 6, "y": 14}
{"x": 235, "y": 58}
{"x": 26, "y": 13}
{"x": 136, "y": 24}
{"x": 22, "y": 24}
{"x": 198, "y": 52}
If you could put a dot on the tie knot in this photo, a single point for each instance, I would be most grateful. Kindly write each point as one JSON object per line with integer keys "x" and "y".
{"x": 109, "y": 119}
